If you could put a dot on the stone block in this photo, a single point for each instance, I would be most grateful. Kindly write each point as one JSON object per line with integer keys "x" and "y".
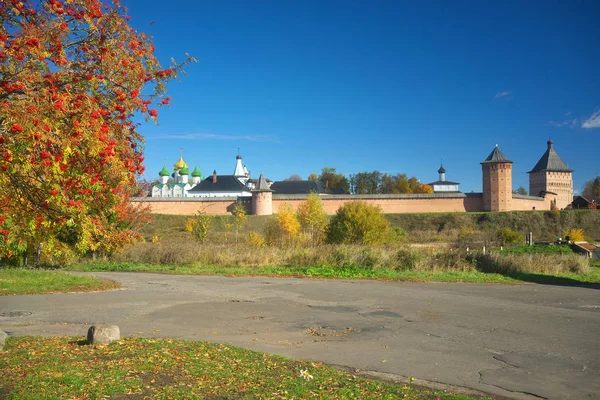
{"x": 103, "y": 334}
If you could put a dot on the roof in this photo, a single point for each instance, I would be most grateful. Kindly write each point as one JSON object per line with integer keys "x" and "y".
{"x": 164, "y": 171}
{"x": 550, "y": 161}
{"x": 496, "y": 156}
{"x": 262, "y": 185}
{"x": 196, "y": 173}
{"x": 224, "y": 183}
{"x": 442, "y": 170}
{"x": 443, "y": 183}
{"x": 299, "y": 187}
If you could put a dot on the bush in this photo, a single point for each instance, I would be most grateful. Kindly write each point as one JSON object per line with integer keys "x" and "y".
{"x": 203, "y": 221}
{"x": 357, "y": 222}
{"x": 406, "y": 260}
{"x": 256, "y": 240}
{"x": 575, "y": 235}
{"x": 190, "y": 223}
{"x": 509, "y": 236}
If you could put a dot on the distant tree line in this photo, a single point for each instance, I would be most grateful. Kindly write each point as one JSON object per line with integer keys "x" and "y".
{"x": 373, "y": 182}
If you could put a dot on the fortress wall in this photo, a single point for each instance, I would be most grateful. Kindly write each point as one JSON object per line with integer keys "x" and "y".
{"x": 395, "y": 205}
{"x": 388, "y": 203}
{"x": 523, "y": 204}
{"x": 185, "y": 207}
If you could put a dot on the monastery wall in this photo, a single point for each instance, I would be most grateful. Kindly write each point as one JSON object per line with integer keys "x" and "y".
{"x": 190, "y": 206}
{"x": 437, "y": 202}
{"x": 525, "y": 203}
{"x": 393, "y": 203}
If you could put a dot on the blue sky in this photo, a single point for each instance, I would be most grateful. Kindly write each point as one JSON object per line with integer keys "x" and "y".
{"x": 376, "y": 85}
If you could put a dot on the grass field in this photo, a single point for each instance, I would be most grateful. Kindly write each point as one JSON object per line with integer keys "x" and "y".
{"x": 14, "y": 281}
{"x": 60, "y": 368}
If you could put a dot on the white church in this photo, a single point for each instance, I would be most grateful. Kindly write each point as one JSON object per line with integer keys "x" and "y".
{"x": 177, "y": 184}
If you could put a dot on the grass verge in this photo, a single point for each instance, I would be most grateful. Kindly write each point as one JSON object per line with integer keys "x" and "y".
{"x": 61, "y": 367}
{"x": 351, "y": 272}
{"x": 14, "y": 281}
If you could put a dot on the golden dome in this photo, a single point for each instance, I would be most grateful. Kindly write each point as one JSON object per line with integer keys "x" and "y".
{"x": 179, "y": 164}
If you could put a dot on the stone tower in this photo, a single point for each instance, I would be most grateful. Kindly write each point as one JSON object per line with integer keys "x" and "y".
{"x": 497, "y": 182}
{"x": 551, "y": 174}
{"x": 262, "y": 198}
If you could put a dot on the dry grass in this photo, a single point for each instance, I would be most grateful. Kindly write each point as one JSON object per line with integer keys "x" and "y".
{"x": 373, "y": 258}
{"x": 550, "y": 264}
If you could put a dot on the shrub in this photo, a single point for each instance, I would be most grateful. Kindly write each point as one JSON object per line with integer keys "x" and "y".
{"x": 406, "y": 260}
{"x": 357, "y": 222}
{"x": 190, "y": 223}
{"x": 256, "y": 240}
{"x": 509, "y": 236}
{"x": 467, "y": 237}
{"x": 575, "y": 235}
{"x": 203, "y": 221}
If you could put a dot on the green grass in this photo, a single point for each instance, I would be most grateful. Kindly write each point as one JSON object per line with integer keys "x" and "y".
{"x": 14, "y": 281}
{"x": 350, "y": 272}
{"x": 546, "y": 249}
{"x": 60, "y": 368}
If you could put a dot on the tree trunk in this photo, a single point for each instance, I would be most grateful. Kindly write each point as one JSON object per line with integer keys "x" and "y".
{"x": 37, "y": 254}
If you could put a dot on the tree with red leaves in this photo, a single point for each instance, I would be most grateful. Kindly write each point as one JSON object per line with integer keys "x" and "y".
{"x": 73, "y": 74}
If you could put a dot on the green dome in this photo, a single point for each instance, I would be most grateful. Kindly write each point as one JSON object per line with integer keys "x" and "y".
{"x": 196, "y": 173}
{"x": 184, "y": 171}
{"x": 164, "y": 172}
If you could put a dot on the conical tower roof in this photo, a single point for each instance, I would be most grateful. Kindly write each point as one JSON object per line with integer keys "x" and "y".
{"x": 184, "y": 171}
{"x": 262, "y": 185}
{"x": 496, "y": 156}
{"x": 550, "y": 161}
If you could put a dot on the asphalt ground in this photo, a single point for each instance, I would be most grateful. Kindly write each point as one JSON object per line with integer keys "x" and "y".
{"x": 518, "y": 341}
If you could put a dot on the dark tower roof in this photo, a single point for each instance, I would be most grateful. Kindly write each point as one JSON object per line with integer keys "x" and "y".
{"x": 262, "y": 185}
{"x": 496, "y": 156}
{"x": 550, "y": 161}
{"x": 441, "y": 170}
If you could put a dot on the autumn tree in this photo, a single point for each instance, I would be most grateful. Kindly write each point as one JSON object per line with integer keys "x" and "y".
{"x": 357, "y": 222}
{"x": 284, "y": 228}
{"x": 313, "y": 177}
{"x": 521, "y": 190}
{"x": 332, "y": 180}
{"x": 377, "y": 183}
{"x": 366, "y": 182}
{"x": 591, "y": 189}
{"x": 294, "y": 177}
{"x": 313, "y": 218}
{"x": 73, "y": 76}
{"x": 240, "y": 217}
{"x": 201, "y": 225}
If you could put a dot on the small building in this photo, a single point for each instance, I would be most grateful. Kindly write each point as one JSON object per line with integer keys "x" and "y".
{"x": 220, "y": 186}
{"x": 583, "y": 203}
{"x": 442, "y": 185}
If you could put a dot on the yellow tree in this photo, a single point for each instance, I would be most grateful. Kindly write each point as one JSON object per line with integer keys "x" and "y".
{"x": 312, "y": 217}
{"x": 73, "y": 76}
{"x": 287, "y": 222}
{"x": 240, "y": 217}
